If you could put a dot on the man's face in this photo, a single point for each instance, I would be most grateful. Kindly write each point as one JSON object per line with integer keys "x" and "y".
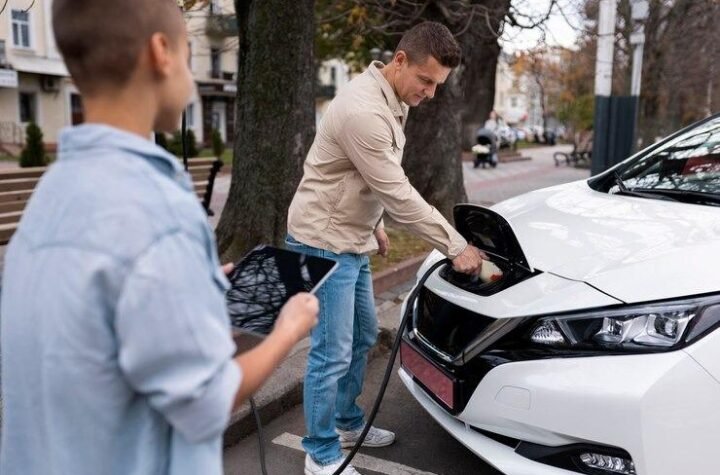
{"x": 415, "y": 82}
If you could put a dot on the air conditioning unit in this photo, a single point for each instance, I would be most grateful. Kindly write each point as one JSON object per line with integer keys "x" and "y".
{"x": 50, "y": 83}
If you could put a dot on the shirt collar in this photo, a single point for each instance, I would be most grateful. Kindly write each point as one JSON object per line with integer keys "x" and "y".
{"x": 397, "y": 107}
{"x": 92, "y": 136}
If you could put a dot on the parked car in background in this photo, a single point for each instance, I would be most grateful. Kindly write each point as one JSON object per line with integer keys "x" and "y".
{"x": 598, "y": 351}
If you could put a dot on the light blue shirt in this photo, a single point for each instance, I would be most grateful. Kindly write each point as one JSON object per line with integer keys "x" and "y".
{"x": 115, "y": 339}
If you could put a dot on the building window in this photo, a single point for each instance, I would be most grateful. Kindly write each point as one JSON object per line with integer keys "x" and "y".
{"x": 3, "y": 54}
{"x": 77, "y": 111}
{"x": 190, "y": 55}
{"x": 190, "y": 116}
{"x": 215, "y": 7}
{"x": 21, "y": 28}
{"x": 215, "y": 65}
{"x": 28, "y": 107}
{"x": 513, "y": 101}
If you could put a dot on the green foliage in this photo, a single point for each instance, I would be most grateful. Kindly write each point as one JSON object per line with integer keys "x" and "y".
{"x": 218, "y": 145}
{"x": 578, "y": 113}
{"x": 175, "y": 146}
{"x": 33, "y": 155}
{"x": 347, "y": 29}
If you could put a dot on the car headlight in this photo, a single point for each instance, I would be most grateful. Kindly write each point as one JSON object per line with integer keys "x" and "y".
{"x": 652, "y": 327}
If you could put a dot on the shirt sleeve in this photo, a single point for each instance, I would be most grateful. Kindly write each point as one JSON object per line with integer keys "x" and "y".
{"x": 366, "y": 138}
{"x": 175, "y": 344}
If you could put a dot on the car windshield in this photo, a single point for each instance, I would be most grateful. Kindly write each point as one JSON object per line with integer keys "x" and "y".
{"x": 686, "y": 168}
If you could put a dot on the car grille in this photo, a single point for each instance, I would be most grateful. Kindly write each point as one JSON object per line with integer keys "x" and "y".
{"x": 445, "y": 328}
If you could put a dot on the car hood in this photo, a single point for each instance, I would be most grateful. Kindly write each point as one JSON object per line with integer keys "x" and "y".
{"x": 634, "y": 249}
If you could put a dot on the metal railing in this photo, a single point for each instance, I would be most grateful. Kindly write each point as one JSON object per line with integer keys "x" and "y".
{"x": 11, "y": 133}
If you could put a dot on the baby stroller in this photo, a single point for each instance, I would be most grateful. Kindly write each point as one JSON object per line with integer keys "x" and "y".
{"x": 486, "y": 149}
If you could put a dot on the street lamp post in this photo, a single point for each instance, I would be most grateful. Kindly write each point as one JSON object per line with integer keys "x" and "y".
{"x": 640, "y": 10}
{"x": 603, "y": 85}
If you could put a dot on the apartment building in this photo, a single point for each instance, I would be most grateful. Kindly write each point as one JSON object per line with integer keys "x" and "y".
{"x": 35, "y": 85}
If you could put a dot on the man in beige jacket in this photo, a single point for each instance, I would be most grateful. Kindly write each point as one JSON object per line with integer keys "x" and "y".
{"x": 352, "y": 175}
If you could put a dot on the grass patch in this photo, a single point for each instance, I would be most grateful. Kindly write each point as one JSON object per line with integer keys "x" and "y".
{"x": 403, "y": 246}
{"x": 521, "y": 144}
{"x": 227, "y": 156}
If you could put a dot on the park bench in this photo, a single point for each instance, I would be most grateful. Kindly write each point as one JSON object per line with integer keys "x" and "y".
{"x": 581, "y": 152}
{"x": 17, "y": 185}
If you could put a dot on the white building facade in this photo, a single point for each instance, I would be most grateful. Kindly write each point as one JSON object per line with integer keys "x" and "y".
{"x": 35, "y": 85}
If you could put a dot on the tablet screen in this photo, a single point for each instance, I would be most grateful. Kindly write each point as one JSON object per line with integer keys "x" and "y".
{"x": 265, "y": 279}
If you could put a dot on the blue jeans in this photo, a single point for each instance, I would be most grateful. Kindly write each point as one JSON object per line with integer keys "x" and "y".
{"x": 346, "y": 330}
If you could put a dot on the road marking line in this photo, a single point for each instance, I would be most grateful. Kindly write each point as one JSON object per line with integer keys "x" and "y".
{"x": 360, "y": 461}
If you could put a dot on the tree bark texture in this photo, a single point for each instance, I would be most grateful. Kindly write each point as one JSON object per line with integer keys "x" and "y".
{"x": 433, "y": 155}
{"x": 481, "y": 51}
{"x": 275, "y": 121}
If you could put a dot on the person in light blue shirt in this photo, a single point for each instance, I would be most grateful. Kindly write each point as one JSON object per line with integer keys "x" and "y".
{"x": 117, "y": 356}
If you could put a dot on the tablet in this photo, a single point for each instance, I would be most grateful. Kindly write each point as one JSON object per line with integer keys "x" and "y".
{"x": 264, "y": 280}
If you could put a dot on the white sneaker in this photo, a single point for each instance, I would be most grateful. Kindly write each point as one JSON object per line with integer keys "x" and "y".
{"x": 375, "y": 437}
{"x": 312, "y": 468}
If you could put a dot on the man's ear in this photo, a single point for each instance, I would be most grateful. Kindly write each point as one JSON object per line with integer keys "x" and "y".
{"x": 159, "y": 54}
{"x": 400, "y": 58}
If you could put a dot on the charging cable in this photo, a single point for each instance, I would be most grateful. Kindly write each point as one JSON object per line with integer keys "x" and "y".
{"x": 261, "y": 438}
{"x": 383, "y": 386}
{"x": 391, "y": 363}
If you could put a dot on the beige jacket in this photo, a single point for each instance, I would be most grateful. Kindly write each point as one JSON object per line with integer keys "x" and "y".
{"x": 353, "y": 173}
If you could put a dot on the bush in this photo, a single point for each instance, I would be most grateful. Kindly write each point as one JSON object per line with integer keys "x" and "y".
{"x": 33, "y": 155}
{"x": 176, "y": 145}
{"x": 161, "y": 140}
{"x": 218, "y": 145}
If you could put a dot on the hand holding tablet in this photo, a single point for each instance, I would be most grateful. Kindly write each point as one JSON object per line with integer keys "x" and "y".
{"x": 268, "y": 278}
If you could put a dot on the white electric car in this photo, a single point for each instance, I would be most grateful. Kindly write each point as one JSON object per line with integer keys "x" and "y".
{"x": 598, "y": 352}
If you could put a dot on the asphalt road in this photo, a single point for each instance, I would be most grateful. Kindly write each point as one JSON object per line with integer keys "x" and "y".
{"x": 422, "y": 447}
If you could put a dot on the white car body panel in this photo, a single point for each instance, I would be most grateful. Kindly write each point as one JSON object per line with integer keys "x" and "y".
{"x": 647, "y": 404}
{"x": 496, "y": 454}
{"x": 541, "y": 294}
{"x": 623, "y": 245}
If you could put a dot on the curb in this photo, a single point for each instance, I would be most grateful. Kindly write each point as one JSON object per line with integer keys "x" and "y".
{"x": 504, "y": 156}
{"x": 396, "y": 275}
{"x": 284, "y": 389}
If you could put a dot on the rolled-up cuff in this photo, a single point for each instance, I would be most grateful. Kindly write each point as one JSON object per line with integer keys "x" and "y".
{"x": 457, "y": 247}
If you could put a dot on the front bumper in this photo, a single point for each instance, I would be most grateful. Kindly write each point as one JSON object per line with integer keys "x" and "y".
{"x": 661, "y": 408}
{"x": 498, "y": 455}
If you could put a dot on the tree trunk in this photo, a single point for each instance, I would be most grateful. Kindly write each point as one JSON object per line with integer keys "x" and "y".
{"x": 480, "y": 58}
{"x": 275, "y": 122}
{"x": 433, "y": 156}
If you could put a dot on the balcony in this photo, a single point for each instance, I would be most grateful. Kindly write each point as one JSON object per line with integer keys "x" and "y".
{"x": 224, "y": 75}
{"x": 221, "y": 26}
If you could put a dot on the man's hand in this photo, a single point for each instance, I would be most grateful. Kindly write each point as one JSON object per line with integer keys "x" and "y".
{"x": 469, "y": 261}
{"x": 227, "y": 268}
{"x": 383, "y": 242}
{"x": 297, "y": 317}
